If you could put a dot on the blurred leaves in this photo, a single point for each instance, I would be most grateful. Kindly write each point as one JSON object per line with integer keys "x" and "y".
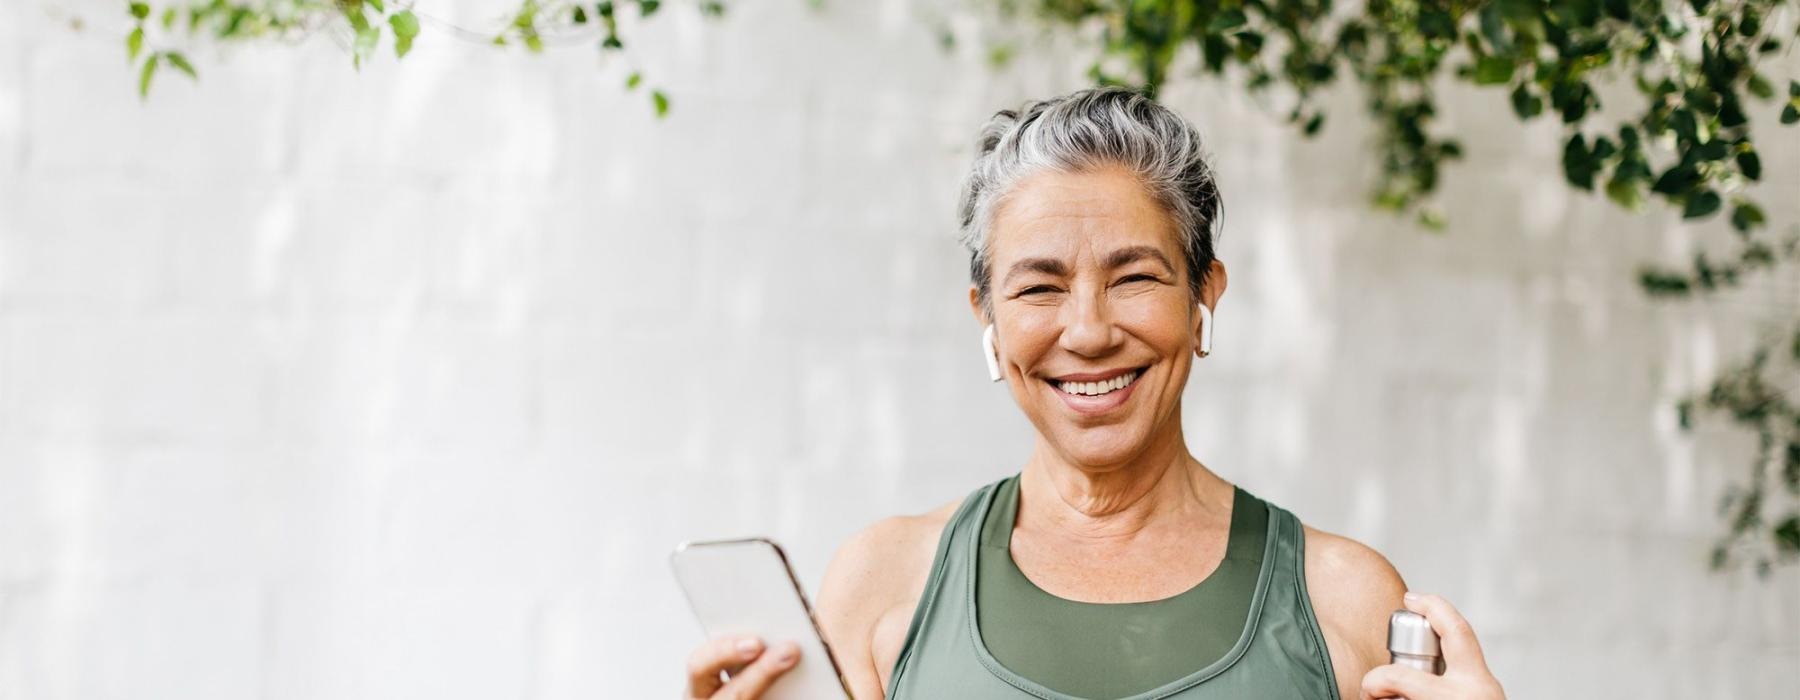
{"x": 1752, "y": 396}
{"x": 1686, "y": 143}
{"x": 359, "y": 25}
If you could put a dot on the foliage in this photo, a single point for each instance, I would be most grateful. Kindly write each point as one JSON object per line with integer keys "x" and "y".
{"x": 363, "y": 23}
{"x": 1751, "y": 399}
{"x": 1695, "y": 64}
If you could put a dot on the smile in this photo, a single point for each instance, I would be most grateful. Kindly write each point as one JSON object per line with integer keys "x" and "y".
{"x": 1096, "y": 393}
{"x": 1099, "y": 388}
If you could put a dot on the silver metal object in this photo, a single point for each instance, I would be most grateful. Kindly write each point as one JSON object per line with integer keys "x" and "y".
{"x": 1412, "y": 642}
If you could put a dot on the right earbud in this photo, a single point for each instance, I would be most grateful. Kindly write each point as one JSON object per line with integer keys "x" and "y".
{"x": 987, "y": 352}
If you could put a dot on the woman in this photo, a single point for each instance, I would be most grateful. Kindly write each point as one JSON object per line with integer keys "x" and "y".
{"x": 1114, "y": 564}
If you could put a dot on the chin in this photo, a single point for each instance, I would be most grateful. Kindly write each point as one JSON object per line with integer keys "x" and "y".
{"x": 1103, "y": 448}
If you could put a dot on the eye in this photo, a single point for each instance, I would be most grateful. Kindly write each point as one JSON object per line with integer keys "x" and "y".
{"x": 1140, "y": 277}
{"x": 1036, "y": 289}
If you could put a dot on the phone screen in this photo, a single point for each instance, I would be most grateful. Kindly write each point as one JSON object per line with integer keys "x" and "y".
{"x": 747, "y": 587}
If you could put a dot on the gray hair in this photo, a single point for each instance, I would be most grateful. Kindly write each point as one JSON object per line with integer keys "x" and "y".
{"x": 1082, "y": 131}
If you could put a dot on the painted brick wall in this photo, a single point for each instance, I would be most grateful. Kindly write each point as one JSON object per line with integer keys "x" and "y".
{"x": 401, "y": 383}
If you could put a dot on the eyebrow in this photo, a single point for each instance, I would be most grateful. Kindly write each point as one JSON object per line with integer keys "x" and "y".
{"x": 1126, "y": 256}
{"x": 1116, "y": 259}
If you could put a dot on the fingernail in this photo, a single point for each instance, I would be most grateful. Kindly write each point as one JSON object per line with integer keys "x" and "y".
{"x": 789, "y": 655}
{"x": 748, "y": 647}
{"x": 1411, "y": 597}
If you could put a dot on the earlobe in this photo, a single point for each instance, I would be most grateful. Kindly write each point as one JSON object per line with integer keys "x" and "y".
{"x": 988, "y": 353}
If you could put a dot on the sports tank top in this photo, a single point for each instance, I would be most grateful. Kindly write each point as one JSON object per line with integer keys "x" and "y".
{"x": 1112, "y": 650}
{"x": 1279, "y": 652}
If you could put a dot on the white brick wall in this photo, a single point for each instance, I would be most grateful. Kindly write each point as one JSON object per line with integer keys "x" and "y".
{"x": 401, "y": 383}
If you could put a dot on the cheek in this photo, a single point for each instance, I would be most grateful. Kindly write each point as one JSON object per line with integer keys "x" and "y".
{"x": 1160, "y": 322}
{"x": 1027, "y": 334}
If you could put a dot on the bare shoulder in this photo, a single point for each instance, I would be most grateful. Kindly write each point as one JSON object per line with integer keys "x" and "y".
{"x": 870, "y": 588}
{"x": 872, "y": 560}
{"x": 1353, "y": 589}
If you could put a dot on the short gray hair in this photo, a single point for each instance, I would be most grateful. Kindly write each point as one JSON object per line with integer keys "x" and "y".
{"x": 1083, "y": 131}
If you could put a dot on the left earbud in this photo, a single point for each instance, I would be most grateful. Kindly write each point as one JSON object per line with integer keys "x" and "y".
{"x": 1206, "y": 324}
{"x": 987, "y": 353}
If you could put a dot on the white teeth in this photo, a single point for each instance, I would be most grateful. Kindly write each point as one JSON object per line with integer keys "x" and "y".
{"x": 1098, "y": 388}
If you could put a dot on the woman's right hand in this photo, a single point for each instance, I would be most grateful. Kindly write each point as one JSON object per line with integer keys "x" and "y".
{"x": 751, "y": 667}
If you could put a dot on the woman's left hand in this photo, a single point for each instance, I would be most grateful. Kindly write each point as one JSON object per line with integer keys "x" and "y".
{"x": 1466, "y": 675}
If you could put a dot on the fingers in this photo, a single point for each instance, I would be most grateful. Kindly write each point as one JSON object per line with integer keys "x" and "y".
{"x": 1393, "y": 681}
{"x": 757, "y": 677}
{"x": 1455, "y": 636}
{"x": 725, "y": 653}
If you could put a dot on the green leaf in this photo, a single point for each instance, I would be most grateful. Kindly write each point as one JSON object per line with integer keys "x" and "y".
{"x": 534, "y": 43}
{"x": 140, "y": 10}
{"x": 1750, "y": 164}
{"x": 1746, "y": 216}
{"x": 648, "y": 7}
{"x": 1314, "y": 124}
{"x": 1664, "y": 283}
{"x": 660, "y": 102}
{"x": 1525, "y": 104}
{"x": 377, "y": 5}
{"x": 134, "y": 44}
{"x": 1226, "y": 21}
{"x": 1578, "y": 163}
{"x": 180, "y": 63}
{"x": 634, "y": 80}
{"x": 1677, "y": 179}
{"x": 1493, "y": 70}
{"x": 1790, "y": 113}
{"x": 144, "y": 76}
{"x": 406, "y": 26}
{"x": 1787, "y": 535}
{"x": 1701, "y": 204}
{"x": 1625, "y": 193}
{"x": 367, "y": 37}
{"x": 1759, "y": 86}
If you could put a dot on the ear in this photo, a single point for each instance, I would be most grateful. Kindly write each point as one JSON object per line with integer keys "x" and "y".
{"x": 1210, "y": 291}
{"x": 981, "y": 319}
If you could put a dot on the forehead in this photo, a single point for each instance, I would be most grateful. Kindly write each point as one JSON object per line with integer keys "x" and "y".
{"x": 1065, "y": 214}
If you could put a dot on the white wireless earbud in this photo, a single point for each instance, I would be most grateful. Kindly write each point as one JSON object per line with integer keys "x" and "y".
{"x": 987, "y": 353}
{"x": 1206, "y": 324}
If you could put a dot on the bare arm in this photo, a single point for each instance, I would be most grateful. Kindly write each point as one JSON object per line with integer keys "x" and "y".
{"x": 1354, "y": 589}
{"x": 870, "y": 589}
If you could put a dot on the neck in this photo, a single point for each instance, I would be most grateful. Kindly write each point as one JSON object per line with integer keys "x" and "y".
{"x": 1162, "y": 483}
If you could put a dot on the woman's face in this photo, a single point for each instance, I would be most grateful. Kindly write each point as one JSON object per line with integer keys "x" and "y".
{"x": 1095, "y": 326}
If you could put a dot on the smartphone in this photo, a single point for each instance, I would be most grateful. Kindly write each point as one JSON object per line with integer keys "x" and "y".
{"x": 746, "y": 586}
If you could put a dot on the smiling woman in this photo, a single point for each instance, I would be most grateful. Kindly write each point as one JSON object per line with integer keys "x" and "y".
{"x": 1115, "y": 564}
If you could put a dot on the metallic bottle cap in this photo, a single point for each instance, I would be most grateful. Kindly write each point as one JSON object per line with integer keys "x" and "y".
{"x": 1409, "y": 633}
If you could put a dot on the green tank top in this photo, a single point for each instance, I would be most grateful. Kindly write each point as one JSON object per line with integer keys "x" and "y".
{"x": 1112, "y": 650}
{"x": 963, "y": 644}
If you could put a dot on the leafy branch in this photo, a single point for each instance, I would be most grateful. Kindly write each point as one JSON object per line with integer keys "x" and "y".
{"x": 534, "y": 24}
{"x": 1756, "y": 402}
{"x": 1695, "y": 65}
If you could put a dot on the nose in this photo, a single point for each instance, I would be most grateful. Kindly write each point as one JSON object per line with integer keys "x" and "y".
{"x": 1088, "y": 329}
